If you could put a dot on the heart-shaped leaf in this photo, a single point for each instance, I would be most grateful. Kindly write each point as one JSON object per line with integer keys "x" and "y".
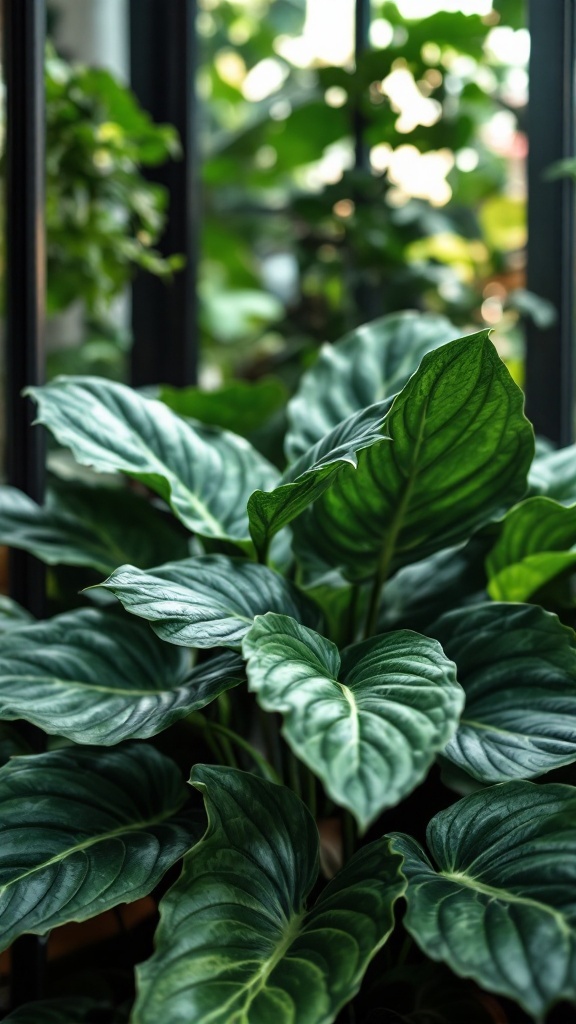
{"x": 533, "y": 548}
{"x": 208, "y": 601}
{"x": 459, "y": 456}
{"x": 517, "y": 664}
{"x": 101, "y": 678}
{"x": 79, "y": 524}
{"x": 308, "y": 478}
{"x": 235, "y": 941}
{"x": 369, "y": 723}
{"x": 206, "y": 475}
{"x": 83, "y": 830}
{"x": 371, "y": 363}
{"x": 499, "y": 907}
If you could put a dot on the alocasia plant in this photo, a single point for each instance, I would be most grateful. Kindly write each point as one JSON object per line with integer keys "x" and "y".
{"x": 311, "y": 650}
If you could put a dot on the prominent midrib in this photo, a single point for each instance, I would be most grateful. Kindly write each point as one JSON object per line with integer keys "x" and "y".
{"x": 354, "y": 719}
{"x": 94, "y": 840}
{"x": 469, "y": 882}
{"x": 258, "y": 982}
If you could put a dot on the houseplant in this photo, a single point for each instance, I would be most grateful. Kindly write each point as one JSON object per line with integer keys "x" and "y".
{"x": 333, "y": 666}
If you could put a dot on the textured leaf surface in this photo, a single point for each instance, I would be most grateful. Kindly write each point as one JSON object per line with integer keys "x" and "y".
{"x": 101, "y": 678}
{"x": 517, "y": 664}
{"x": 235, "y": 942}
{"x": 208, "y": 601}
{"x": 369, "y": 723}
{"x": 459, "y": 455}
{"x": 206, "y": 475}
{"x": 499, "y": 906}
{"x": 313, "y": 472}
{"x": 533, "y": 547}
{"x": 99, "y": 527}
{"x": 83, "y": 830}
{"x": 369, "y": 364}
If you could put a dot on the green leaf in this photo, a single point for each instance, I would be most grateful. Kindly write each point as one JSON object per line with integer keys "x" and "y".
{"x": 517, "y": 664}
{"x": 80, "y": 524}
{"x": 241, "y": 406}
{"x": 84, "y": 830}
{"x": 371, "y": 363}
{"x": 307, "y": 478}
{"x": 67, "y": 1010}
{"x": 532, "y": 549}
{"x": 206, "y": 475}
{"x": 459, "y": 455}
{"x": 370, "y": 722}
{"x": 235, "y": 941}
{"x": 553, "y": 474}
{"x": 12, "y": 615}
{"x": 500, "y": 906}
{"x": 207, "y": 601}
{"x": 102, "y": 678}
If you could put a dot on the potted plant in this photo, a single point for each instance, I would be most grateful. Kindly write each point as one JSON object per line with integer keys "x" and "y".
{"x": 322, "y": 643}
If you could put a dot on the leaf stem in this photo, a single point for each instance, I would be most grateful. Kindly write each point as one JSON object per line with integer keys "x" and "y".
{"x": 231, "y": 737}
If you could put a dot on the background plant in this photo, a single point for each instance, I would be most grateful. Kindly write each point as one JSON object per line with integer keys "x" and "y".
{"x": 319, "y": 645}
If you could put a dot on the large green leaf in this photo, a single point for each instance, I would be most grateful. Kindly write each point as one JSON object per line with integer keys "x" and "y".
{"x": 500, "y": 905}
{"x": 532, "y": 549}
{"x": 12, "y": 615}
{"x": 83, "y": 830}
{"x": 241, "y": 406}
{"x": 207, "y": 601}
{"x": 206, "y": 475}
{"x": 235, "y": 941}
{"x": 517, "y": 664}
{"x": 371, "y": 363}
{"x": 79, "y": 524}
{"x": 101, "y": 678}
{"x": 369, "y": 723}
{"x": 459, "y": 455}
{"x": 553, "y": 474}
{"x": 306, "y": 479}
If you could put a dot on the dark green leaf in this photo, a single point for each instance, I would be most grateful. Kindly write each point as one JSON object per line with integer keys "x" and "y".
{"x": 533, "y": 547}
{"x": 206, "y": 475}
{"x": 83, "y": 830}
{"x": 459, "y": 454}
{"x": 241, "y": 406}
{"x": 369, "y": 723}
{"x": 12, "y": 615}
{"x": 307, "y": 478}
{"x": 500, "y": 905}
{"x": 235, "y": 941}
{"x": 553, "y": 474}
{"x": 370, "y": 364}
{"x": 208, "y": 601}
{"x": 517, "y": 664}
{"x": 79, "y": 524}
{"x": 100, "y": 678}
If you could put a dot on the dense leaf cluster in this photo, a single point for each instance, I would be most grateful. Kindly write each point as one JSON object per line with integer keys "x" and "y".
{"x": 309, "y": 645}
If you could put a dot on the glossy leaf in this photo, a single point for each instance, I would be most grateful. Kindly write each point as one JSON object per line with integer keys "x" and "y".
{"x": 208, "y": 601}
{"x": 370, "y": 364}
{"x": 459, "y": 455}
{"x": 313, "y": 472}
{"x": 553, "y": 474}
{"x": 235, "y": 941}
{"x": 499, "y": 904}
{"x": 99, "y": 527}
{"x": 532, "y": 549}
{"x": 83, "y": 830}
{"x": 101, "y": 678}
{"x": 206, "y": 475}
{"x": 370, "y": 722}
{"x": 517, "y": 664}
